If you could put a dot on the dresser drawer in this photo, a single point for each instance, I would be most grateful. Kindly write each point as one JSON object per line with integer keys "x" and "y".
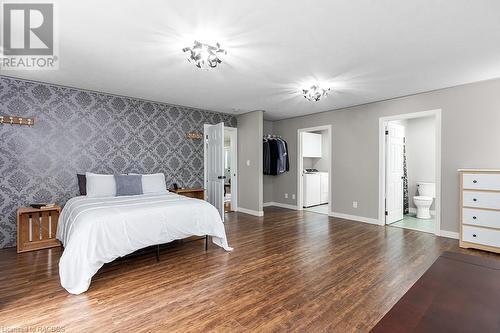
{"x": 481, "y": 199}
{"x": 481, "y": 236}
{"x": 484, "y": 218}
{"x": 481, "y": 181}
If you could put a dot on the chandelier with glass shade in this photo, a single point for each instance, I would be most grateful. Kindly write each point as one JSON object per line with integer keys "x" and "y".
{"x": 205, "y": 56}
{"x": 315, "y": 92}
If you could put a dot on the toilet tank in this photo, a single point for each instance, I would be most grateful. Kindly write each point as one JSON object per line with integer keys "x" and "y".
{"x": 426, "y": 189}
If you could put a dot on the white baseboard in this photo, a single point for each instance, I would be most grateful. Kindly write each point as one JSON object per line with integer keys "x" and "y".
{"x": 251, "y": 212}
{"x": 355, "y": 218}
{"x": 279, "y": 204}
{"x": 449, "y": 234}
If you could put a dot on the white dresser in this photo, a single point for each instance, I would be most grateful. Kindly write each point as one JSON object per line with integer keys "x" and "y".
{"x": 480, "y": 209}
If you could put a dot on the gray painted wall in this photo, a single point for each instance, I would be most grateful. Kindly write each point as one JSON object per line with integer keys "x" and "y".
{"x": 250, "y": 177}
{"x": 77, "y": 131}
{"x": 268, "y": 181}
{"x": 420, "y": 153}
{"x": 470, "y": 138}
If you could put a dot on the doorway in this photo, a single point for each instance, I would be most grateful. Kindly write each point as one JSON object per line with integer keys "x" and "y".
{"x": 314, "y": 190}
{"x": 230, "y": 169}
{"x": 228, "y": 196}
{"x": 409, "y": 171}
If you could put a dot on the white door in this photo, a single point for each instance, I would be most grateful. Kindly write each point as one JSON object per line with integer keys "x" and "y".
{"x": 394, "y": 136}
{"x": 215, "y": 167}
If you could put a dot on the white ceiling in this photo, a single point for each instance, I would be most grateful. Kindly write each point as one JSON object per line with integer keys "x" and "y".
{"x": 366, "y": 50}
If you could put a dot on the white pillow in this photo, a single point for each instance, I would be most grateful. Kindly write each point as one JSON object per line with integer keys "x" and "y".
{"x": 100, "y": 185}
{"x": 154, "y": 183}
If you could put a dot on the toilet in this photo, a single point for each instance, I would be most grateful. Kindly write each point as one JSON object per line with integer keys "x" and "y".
{"x": 423, "y": 201}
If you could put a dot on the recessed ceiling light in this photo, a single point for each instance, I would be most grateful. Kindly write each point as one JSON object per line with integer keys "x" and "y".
{"x": 315, "y": 92}
{"x": 204, "y": 56}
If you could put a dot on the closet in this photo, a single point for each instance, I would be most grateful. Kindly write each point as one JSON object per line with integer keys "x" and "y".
{"x": 276, "y": 159}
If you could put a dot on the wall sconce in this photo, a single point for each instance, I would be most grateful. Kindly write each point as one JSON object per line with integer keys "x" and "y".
{"x": 194, "y": 135}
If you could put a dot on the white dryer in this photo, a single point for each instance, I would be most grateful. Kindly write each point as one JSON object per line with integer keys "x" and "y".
{"x": 323, "y": 187}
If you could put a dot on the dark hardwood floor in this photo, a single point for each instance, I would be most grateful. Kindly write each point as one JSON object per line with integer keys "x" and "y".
{"x": 289, "y": 271}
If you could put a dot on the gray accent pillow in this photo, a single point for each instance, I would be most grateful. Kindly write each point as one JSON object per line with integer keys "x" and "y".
{"x": 128, "y": 185}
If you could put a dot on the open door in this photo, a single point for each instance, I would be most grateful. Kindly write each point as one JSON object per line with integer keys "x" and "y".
{"x": 394, "y": 136}
{"x": 215, "y": 166}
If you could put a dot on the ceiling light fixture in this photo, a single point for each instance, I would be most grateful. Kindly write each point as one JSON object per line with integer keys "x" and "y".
{"x": 315, "y": 93}
{"x": 204, "y": 56}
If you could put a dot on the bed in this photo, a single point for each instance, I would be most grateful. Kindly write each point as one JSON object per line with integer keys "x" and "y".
{"x": 95, "y": 231}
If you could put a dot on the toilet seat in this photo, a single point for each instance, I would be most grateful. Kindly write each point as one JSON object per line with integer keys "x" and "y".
{"x": 422, "y": 198}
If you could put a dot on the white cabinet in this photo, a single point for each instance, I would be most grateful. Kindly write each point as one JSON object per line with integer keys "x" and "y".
{"x": 311, "y": 145}
{"x": 480, "y": 209}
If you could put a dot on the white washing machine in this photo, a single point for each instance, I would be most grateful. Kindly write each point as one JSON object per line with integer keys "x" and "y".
{"x": 312, "y": 189}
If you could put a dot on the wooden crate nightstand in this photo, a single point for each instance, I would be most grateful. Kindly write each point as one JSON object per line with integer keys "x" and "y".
{"x": 36, "y": 228}
{"x": 197, "y": 193}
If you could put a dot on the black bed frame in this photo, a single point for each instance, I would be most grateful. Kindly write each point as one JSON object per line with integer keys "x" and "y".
{"x": 158, "y": 249}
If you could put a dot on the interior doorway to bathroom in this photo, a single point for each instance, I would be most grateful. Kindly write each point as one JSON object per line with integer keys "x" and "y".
{"x": 229, "y": 161}
{"x": 314, "y": 164}
{"x": 410, "y": 164}
{"x": 230, "y": 172}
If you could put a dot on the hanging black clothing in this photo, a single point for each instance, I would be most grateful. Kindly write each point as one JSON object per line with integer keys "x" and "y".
{"x": 266, "y": 157}
{"x": 276, "y": 161}
{"x": 287, "y": 167}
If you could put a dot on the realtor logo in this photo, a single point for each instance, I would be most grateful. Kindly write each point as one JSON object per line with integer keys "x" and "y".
{"x": 28, "y": 36}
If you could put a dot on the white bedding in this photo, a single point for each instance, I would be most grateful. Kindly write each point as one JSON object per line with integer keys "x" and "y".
{"x": 95, "y": 231}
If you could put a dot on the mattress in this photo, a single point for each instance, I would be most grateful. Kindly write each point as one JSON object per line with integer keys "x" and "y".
{"x": 95, "y": 231}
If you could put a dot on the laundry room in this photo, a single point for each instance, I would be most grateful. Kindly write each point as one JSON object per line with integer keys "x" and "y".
{"x": 316, "y": 170}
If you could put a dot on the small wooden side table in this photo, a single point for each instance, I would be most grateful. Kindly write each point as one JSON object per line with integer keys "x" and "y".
{"x": 36, "y": 228}
{"x": 197, "y": 193}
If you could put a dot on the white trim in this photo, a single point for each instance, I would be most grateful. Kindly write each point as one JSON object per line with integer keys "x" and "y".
{"x": 449, "y": 234}
{"x": 381, "y": 162}
{"x": 251, "y": 212}
{"x": 354, "y": 218}
{"x": 300, "y": 164}
{"x": 279, "y": 204}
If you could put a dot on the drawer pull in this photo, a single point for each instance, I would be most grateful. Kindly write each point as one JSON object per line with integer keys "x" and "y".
{"x": 474, "y": 217}
{"x": 474, "y": 181}
{"x": 474, "y": 235}
{"x": 474, "y": 199}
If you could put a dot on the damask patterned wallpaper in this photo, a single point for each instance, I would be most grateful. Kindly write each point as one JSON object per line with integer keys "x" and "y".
{"x": 78, "y": 131}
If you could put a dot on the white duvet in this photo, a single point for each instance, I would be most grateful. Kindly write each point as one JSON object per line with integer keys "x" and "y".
{"x": 95, "y": 231}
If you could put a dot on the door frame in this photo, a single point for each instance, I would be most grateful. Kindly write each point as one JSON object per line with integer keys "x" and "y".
{"x": 436, "y": 113}
{"x": 300, "y": 166}
{"x": 233, "y": 132}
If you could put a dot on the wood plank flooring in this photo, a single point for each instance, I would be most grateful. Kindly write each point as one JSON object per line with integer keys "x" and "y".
{"x": 289, "y": 272}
